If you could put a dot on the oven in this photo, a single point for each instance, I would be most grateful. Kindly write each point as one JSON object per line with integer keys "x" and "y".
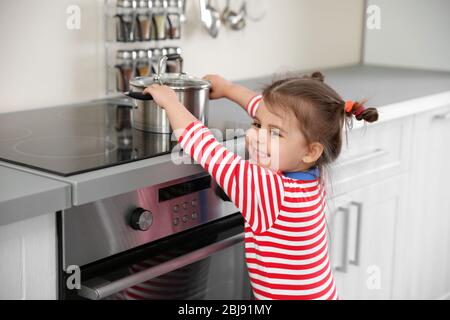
{"x": 179, "y": 240}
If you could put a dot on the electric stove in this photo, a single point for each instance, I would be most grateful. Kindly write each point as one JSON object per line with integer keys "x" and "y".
{"x": 69, "y": 140}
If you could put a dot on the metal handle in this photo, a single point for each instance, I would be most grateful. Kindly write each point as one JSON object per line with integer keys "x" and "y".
{"x": 359, "y": 207}
{"x": 344, "y": 259}
{"x": 99, "y": 288}
{"x": 445, "y": 116}
{"x": 163, "y": 62}
{"x": 138, "y": 95}
{"x": 365, "y": 157}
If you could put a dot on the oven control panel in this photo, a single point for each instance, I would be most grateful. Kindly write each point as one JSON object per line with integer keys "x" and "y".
{"x": 184, "y": 212}
{"x": 113, "y": 225}
{"x": 187, "y": 201}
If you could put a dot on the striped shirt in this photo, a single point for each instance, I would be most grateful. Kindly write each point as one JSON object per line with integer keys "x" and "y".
{"x": 285, "y": 225}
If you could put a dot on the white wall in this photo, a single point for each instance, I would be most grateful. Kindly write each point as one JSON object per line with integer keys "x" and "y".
{"x": 43, "y": 63}
{"x": 414, "y": 33}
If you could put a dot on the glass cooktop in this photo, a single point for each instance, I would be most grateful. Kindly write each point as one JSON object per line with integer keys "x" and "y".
{"x": 69, "y": 140}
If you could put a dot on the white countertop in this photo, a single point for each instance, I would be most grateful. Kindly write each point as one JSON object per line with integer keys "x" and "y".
{"x": 23, "y": 193}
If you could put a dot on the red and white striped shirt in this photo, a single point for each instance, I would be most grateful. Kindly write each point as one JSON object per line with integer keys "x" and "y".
{"x": 285, "y": 225}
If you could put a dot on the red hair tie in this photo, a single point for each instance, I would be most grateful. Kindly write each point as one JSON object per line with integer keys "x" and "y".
{"x": 349, "y": 106}
{"x": 360, "y": 110}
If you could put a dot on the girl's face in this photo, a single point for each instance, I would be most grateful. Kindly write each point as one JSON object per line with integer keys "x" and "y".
{"x": 276, "y": 142}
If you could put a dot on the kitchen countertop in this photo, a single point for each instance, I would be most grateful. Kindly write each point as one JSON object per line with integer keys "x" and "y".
{"x": 398, "y": 92}
{"x": 22, "y": 192}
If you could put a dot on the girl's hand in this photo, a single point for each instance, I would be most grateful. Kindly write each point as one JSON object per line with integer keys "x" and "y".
{"x": 219, "y": 86}
{"x": 163, "y": 96}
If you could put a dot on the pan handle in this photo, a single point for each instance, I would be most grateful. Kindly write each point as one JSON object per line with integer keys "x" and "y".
{"x": 138, "y": 95}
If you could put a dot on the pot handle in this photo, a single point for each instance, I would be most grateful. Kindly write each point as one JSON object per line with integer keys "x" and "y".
{"x": 174, "y": 56}
{"x": 163, "y": 60}
{"x": 138, "y": 95}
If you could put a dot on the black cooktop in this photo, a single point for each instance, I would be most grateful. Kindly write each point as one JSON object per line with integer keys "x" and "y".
{"x": 69, "y": 140}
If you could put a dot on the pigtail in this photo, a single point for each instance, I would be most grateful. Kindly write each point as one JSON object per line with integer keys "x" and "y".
{"x": 359, "y": 111}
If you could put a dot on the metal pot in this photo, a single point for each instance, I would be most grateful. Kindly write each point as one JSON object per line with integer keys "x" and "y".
{"x": 192, "y": 92}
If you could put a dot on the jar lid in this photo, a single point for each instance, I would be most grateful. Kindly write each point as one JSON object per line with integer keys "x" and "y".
{"x": 173, "y": 3}
{"x": 126, "y": 3}
{"x": 126, "y": 54}
{"x": 177, "y": 81}
{"x": 142, "y": 54}
{"x": 143, "y": 4}
{"x": 173, "y": 50}
{"x": 159, "y": 3}
{"x": 157, "y": 52}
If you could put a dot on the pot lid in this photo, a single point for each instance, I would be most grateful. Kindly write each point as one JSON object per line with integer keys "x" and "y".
{"x": 180, "y": 81}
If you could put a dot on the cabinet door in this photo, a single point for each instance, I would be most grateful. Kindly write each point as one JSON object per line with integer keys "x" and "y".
{"x": 362, "y": 232}
{"x": 28, "y": 259}
{"x": 422, "y": 269}
{"x": 372, "y": 153}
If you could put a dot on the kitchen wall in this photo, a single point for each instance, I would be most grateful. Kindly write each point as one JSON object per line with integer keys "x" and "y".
{"x": 414, "y": 33}
{"x": 44, "y": 63}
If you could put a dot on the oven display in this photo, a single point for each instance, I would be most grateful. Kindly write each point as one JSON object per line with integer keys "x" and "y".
{"x": 185, "y": 188}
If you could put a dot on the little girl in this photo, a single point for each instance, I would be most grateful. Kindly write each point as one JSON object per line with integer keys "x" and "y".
{"x": 297, "y": 130}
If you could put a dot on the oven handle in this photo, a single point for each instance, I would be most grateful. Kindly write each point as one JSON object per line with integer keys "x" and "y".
{"x": 99, "y": 288}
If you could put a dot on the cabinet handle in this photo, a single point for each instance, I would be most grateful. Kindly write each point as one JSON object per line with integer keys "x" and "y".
{"x": 359, "y": 207}
{"x": 344, "y": 258}
{"x": 444, "y": 117}
{"x": 365, "y": 157}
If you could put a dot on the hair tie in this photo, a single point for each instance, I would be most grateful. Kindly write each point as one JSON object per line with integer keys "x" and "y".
{"x": 358, "y": 111}
{"x": 349, "y": 106}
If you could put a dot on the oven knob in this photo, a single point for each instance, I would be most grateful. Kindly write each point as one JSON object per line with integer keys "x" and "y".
{"x": 141, "y": 219}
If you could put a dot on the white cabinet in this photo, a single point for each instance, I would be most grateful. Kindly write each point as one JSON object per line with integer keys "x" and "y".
{"x": 362, "y": 233}
{"x": 368, "y": 190}
{"x": 374, "y": 152}
{"x": 422, "y": 269}
{"x": 28, "y": 259}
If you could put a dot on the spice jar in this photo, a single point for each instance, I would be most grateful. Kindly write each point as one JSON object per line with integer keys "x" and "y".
{"x": 173, "y": 22}
{"x": 126, "y": 20}
{"x": 143, "y": 65}
{"x": 125, "y": 69}
{"x": 174, "y": 66}
{"x": 144, "y": 19}
{"x": 159, "y": 19}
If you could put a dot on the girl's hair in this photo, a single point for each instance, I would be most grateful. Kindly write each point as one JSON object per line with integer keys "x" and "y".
{"x": 320, "y": 111}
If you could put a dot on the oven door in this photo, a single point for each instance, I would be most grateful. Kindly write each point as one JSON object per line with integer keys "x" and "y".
{"x": 207, "y": 262}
